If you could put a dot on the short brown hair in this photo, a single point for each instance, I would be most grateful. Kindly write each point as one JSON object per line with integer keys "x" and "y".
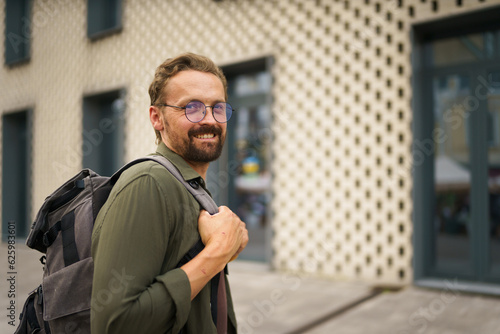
{"x": 172, "y": 66}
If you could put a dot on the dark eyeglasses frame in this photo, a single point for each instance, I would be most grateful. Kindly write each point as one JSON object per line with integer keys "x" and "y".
{"x": 185, "y": 107}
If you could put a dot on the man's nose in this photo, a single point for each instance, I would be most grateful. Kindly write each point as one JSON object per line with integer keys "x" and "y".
{"x": 209, "y": 116}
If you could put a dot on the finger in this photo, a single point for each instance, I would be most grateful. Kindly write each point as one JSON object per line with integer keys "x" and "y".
{"x": 243, "y": 226}
{"x": 227, "y": 210}
{"x": 235, "y": 256}
{"x": 245, "y": 240}
{"x": 223, "y": 208}
{"x": 203, "y": 215}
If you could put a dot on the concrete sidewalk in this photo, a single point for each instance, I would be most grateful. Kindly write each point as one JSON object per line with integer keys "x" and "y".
{"x": 274, "y": 303}
{"x": 314, "y": 306}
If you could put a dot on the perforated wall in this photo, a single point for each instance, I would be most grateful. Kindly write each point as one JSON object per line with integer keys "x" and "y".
{"x": 341, "y": 105}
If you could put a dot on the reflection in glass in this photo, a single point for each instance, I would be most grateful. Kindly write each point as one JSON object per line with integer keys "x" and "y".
{"x": 464, "y": 49}
{"x": 451, "y": 174}
{"x": 493, "y": 88}
{"x": 249, "y": 158}
{"x": 252, "y": 155}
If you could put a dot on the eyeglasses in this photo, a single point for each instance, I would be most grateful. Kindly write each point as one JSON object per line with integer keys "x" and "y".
{"x": 195, "y": 111}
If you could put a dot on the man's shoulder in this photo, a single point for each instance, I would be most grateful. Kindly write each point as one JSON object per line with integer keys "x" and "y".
{"x": 146, "y": 170}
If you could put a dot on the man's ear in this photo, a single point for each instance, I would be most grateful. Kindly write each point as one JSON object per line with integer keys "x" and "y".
{"x": 155, "y": 116}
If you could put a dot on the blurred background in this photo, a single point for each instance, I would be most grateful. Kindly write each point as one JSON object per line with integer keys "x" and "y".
{"x": 365, "y": 146}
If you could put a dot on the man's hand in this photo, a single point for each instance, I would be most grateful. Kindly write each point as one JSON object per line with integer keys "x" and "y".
{"x": 224, "y": 231}
{"x": 224, "y": 236}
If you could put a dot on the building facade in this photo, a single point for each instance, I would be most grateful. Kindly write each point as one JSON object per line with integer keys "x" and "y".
{"x": 364, "y": 146}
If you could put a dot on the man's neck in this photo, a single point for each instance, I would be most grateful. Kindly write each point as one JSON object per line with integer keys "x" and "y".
{"x": 199, "y": 167}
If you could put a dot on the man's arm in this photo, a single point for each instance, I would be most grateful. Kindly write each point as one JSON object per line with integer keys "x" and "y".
{"x": 130, "y": 293}
{"x": 224, "y": 236}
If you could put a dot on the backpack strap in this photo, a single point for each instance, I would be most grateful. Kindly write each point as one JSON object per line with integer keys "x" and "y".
{"x": 67, "y": 228}
{"x": 192, "y": 186}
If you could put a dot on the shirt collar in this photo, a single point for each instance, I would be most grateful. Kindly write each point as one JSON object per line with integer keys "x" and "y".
{"x": 187, "y": 172}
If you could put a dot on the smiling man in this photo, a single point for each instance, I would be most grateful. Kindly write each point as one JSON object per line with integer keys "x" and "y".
{"x": 150, "y": 220}
{"x": 200, "y": 144}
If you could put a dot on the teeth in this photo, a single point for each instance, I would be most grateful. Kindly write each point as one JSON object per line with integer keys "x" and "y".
{"x": 206, "y": 136}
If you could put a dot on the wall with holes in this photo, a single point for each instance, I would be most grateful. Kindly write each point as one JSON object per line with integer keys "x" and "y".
{"x": 341, "y": 106}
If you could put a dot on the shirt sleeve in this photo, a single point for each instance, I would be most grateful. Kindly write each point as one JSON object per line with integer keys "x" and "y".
{"x": 130, "y": 292}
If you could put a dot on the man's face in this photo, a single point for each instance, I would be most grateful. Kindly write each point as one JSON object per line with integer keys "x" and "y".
{"x": 200, "y": 142}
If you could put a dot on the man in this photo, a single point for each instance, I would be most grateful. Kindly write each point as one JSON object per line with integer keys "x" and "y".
{"x": 150, "y": 220}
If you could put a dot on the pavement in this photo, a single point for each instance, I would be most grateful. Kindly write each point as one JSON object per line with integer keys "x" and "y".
{"x": 273, "y": 302}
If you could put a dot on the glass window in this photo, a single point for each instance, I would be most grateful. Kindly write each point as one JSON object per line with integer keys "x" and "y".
{"x": 103, "y": 17}
{"x": 17, "y": 31}
{"x": 464, "y": 49}
{"x": 102, "y": 145}
{"x": 16, "y": 189}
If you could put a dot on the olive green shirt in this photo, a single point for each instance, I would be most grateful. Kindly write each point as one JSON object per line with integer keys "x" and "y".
{"x": 143, "y": 230}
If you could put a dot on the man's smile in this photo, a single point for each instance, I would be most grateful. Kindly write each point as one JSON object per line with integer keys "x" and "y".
{"x": 208, "y": 133}
{"x": 205, "y": 136}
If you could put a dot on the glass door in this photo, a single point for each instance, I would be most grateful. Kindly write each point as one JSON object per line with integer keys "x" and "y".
{"x": 491, "y": 84}
{"x": 457, "y": 159}
{"x": 249, "y": 152}
{"x": 241, "y": 177}
{"x": 451, "y": 225}
{"x": 464, "y": 231}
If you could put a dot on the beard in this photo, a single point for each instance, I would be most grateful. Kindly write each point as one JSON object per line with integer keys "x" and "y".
{"x": 208, "y": 152}
{"x": 192, "y": 150}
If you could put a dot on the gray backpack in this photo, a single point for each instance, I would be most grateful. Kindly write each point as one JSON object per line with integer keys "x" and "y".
{"x": 63, "y": 232}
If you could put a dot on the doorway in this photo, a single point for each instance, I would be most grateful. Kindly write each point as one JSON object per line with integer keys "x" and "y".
{"x": 456, "y": 155}
{"x": 241, "y": 178}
